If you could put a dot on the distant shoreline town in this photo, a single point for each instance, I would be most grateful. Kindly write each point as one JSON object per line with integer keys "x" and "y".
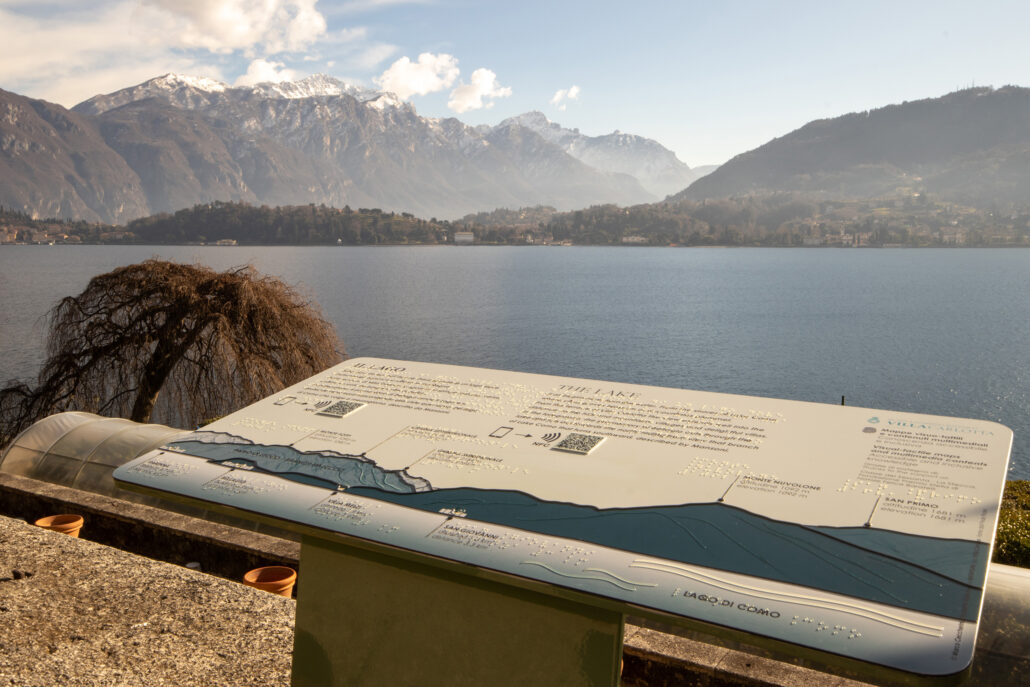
{"x": 786, "y": 220}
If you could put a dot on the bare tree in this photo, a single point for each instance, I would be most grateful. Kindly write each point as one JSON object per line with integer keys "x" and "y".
{"x": 179, "y": 343}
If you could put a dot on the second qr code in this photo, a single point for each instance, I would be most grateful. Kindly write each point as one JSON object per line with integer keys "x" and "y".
{"x": 340, "y": 408}
{"x": 578, "y": 443}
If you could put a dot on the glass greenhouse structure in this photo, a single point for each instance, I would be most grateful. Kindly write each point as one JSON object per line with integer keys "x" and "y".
{"x": 81, "y": 450}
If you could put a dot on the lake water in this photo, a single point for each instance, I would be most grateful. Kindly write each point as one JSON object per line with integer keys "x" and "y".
{"x": 945, "y": 332}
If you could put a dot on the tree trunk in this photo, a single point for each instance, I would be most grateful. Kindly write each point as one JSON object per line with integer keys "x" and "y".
{"x": 151, "y": 381}
{"x": 172, "y": 344}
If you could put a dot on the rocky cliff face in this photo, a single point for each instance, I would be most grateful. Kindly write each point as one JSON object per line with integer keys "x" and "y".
{"x": 55, "y": 163}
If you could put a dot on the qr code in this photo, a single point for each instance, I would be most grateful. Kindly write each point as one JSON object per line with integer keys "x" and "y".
{"x": 578, "y": 443}
{"x": 340, "y": 408}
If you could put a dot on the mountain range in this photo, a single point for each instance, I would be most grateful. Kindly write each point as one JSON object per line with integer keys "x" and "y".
{"x": 176, "y": 141}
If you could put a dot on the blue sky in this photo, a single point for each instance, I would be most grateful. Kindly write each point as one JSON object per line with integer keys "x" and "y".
{"x": 709, "y": 80}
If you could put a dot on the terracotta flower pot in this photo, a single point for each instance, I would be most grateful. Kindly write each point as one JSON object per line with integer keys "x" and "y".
{"x": 277, "y": 579}
{"x": 65, "y": 524}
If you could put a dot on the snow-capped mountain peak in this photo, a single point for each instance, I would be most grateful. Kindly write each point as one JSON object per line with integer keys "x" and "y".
{"x": 534, "y": 120}
{"x": 314, "y": 86}
{"x": 310, "y": 87}
{"x": 538, "y": 122}
{"x": 193, "y": 92}
{"x": 656, "y": 167}
{"x": 201, "y": 83}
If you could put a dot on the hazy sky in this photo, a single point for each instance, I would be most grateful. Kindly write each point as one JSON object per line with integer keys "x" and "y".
{"x": 709, "y": 80}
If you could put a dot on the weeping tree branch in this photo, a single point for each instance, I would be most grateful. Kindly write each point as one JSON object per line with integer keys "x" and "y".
{"x": 172, "y": 343}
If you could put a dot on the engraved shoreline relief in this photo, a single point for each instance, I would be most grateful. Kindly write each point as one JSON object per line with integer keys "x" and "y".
{"x": 817, "y": 524}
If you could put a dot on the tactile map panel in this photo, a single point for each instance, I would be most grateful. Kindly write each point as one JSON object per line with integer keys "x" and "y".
{"x": 863, "y": 533}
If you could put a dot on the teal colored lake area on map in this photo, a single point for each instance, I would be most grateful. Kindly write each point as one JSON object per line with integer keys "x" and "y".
{"x": 720, "y": 536}
{"x": 319, "y": 468}
{"x": 902, "y": 570}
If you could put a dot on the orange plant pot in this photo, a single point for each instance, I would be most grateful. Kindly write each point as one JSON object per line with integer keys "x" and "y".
{"x": 65, "y": 524}
{"x": 277, "y": 579}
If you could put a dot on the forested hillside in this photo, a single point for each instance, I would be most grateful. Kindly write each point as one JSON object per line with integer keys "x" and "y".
{"x": 291, "y": 225}
{"x": 970, "y": 146}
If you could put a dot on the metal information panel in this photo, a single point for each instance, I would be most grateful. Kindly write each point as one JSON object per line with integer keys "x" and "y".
{"x": 861, "y": 533}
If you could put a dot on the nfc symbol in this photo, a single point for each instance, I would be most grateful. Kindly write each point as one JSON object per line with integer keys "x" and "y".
{"x": 551, "y": 436}
{"x": 322, "y": 404}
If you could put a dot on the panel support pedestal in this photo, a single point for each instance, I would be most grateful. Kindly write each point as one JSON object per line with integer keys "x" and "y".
{"x": 371, "y": 618}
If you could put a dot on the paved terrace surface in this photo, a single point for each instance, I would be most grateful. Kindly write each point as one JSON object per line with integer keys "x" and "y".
{"x": 77, "y": 612}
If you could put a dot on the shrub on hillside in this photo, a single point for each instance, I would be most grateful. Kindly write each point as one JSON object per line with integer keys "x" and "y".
{"x": 1012, "y": 544}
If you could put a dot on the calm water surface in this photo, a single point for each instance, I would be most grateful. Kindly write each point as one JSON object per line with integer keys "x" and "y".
{"x": 945, "y": 332}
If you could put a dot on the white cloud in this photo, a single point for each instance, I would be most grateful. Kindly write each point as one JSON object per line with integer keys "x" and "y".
{"x": 561, "y": 96}
{"x": 223, "y": 26}
{"x": 430, "y": 74}
{"x": 482, "y": 84}
{"x": 87, "y": 53}
{"x": 98, "y": 48}
{"x": 262, "y": 71}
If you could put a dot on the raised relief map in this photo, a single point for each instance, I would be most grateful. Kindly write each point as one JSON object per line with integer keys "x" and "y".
{"x": 847, "y": 530}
